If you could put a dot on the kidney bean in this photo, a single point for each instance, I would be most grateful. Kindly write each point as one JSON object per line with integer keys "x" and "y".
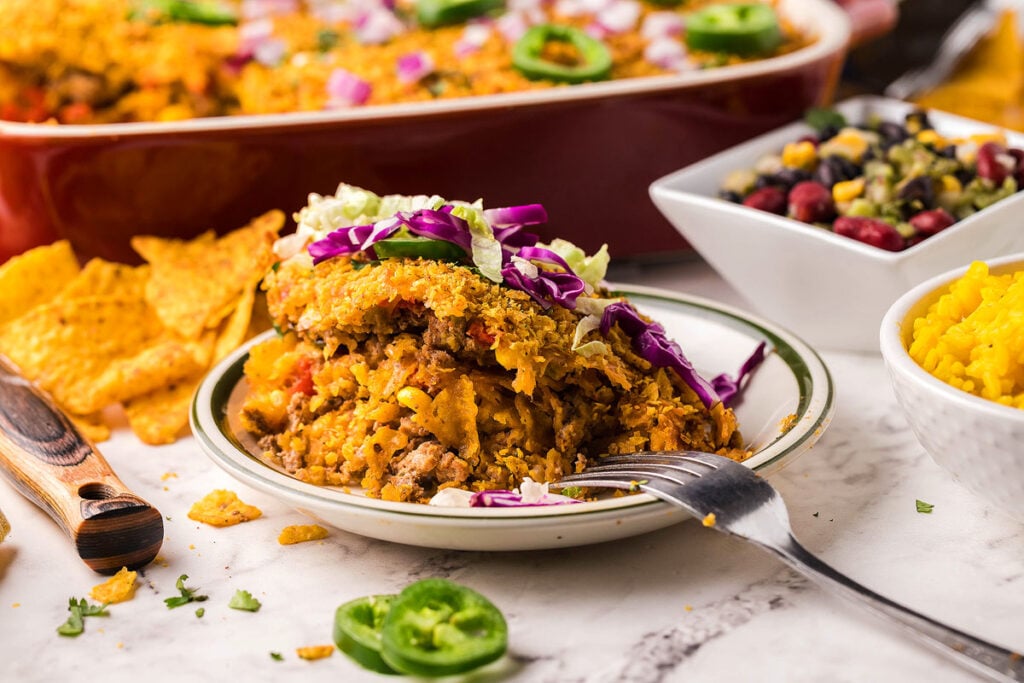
{"x": 989, "y": 165}
{"x": 928, "y": 223}
{"x": 1018, "y": 169}
{"x": 811, "y": 202}
{"x": 870, "y": 231}
{"x": 771, "y": 199}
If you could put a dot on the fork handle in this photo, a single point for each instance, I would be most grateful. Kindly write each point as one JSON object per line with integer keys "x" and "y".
{"x": 994, "y": 662}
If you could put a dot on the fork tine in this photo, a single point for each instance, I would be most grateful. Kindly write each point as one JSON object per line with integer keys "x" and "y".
{"x": 654, "y": 481}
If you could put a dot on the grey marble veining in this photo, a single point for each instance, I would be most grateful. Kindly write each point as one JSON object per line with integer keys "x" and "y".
{"x": 680, "y": 604}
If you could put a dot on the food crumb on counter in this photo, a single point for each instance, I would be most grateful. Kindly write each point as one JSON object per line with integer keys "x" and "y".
{"x": 311, "y": 652}
{"x": 223, "y": 508}
{"x": 709, "y": 519}
{"x": 300, "y": 533}
{"x": 16, "y": 605}
{"x": 118, "y": 588}
{"x": 688, "y": 608}
{"x": 168, "y": 475}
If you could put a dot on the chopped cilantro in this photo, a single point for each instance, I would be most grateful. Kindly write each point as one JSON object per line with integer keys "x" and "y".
{"x": 820, "y": 118}
{"x": 200, "y": 611}
{"x": 80, "y": 609}
{"x": 187, "y": 594}
{"x": 277, "y": 656}
{"x": 573, "y": 491}
{"x": 244, "y": 600}
{"x": 923, "y": 507}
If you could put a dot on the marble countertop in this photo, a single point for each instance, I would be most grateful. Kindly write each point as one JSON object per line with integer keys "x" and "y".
{"x": 680, "y": 604}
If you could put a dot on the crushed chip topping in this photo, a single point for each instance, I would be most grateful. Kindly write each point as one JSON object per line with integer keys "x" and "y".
{"x": 118, "y": 588}
{"x": 222, "y": 508}
{"x": 300, "y": 533}
{"x": 311, "y": 652}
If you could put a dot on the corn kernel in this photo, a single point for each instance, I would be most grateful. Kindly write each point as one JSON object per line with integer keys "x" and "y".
{"x": 981, "y": 138}
{"x": 849, "y": 142}
{"x": 799, "y": 155}
{"x": 848, "y": 190}
{"x": 931, "y": 137}
{"x": 950, "y": 183}
{"x": 415, "y": 399}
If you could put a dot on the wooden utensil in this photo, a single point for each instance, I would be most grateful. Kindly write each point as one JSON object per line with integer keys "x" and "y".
{"x": 49, "y": 460}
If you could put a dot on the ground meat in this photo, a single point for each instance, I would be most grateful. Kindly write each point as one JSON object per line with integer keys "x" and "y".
{"x": 417, "y": 468}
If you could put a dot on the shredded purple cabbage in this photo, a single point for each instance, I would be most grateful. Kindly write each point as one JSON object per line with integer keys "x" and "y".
{"x": 500, "y": 498}
{"x": 729, "y": 389}
{"x": 653, "y": 345}
{"x": 524, "y": 214}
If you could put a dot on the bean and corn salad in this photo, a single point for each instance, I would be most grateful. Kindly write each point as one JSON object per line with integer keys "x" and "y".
{"x": 888, "y": 184}
{"x": 99, "y": 61}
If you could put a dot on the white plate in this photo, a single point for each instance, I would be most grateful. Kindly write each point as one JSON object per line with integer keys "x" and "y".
{"x": 786, "y": 406}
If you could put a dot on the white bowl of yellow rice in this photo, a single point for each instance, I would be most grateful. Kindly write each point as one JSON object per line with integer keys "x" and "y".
{"x": 954, "y": 348}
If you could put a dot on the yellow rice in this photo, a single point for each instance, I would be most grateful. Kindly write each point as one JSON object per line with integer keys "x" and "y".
{"x": 973, "y": 337}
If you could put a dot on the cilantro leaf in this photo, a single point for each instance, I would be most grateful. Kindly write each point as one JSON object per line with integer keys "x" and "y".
{"x": 923, "y": 507}
{"x": 79, "y": 609}
{"x": 820, "y": 118}
{"x": 187, "y": 594}
{"x": 244, "y": 600}
{"x": 277, "y": 656}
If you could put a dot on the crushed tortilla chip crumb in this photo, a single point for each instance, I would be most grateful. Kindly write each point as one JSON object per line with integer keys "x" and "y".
{"x": 299, "y": 533}
{"x": 709, "y": 519}
{"x": 222, "y": 508}
{"x": 168, "y": 475}
{"x": 311, "y": 652}
{"x": 118, "y": 588}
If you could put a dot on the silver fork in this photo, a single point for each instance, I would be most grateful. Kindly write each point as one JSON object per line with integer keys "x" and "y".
{"x": 732, "y": 498}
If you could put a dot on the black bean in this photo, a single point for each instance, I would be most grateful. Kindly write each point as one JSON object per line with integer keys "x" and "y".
{"x": 730, "y": 196}
{"x": 948, "y": 152}
{"x": 892, "y": 133}
{"x": 918, "y": 193}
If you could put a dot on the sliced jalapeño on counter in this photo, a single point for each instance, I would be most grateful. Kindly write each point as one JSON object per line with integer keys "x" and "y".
{"x": 434, "y": 627}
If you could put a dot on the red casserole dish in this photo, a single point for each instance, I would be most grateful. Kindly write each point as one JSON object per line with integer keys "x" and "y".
{"x": 587, "y": 152}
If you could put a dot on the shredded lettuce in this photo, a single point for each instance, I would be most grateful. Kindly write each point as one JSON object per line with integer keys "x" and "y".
{"x": 590, "y": 269}
{"x": 486, "y": 249}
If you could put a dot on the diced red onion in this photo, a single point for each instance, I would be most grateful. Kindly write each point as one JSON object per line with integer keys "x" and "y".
{"x": 512, "y": 26}
{"x": 667, "y": 52}
{"x": 597, "y": 30}
{"x": 651, "y": 342}
{"x": 377, "y": 26}
{"x": 270, "y": 52}
{"x": 619, "y": 16}
{"x": 414, "y": 66}
{"x": 258, "y": 9}
{"x": 729, "y": 389}
{"x": 661, "y": 25}
{"x": 473, "y": 37}
{"x": 569, "y": 8}
{"x": 345, "y": 89}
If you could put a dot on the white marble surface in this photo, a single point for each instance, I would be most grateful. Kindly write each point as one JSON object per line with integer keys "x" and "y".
{"x": 681, "y": 604}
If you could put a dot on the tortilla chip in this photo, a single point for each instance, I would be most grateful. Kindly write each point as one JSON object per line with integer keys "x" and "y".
{"x": 161, "y": 416}
{"x": 92, "y": 426}
{"x": 34, "y": 278}
{"x": 235, "y": 329}
{"x": 222, "y": 508}
{"x": 152, "y": 368}
{"x": 106, "y": 278}
{"x": 193, "y": 285}
{"x": 65, "y": 346}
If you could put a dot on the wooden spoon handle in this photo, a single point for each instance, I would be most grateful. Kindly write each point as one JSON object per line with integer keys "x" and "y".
{"x": 49, "y": 460}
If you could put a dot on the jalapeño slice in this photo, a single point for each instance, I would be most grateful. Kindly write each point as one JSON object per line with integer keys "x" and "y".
{"x": 439, "y": 628}
{"x": 207, "y": 12}
{"x": 740, "y": 29}
{"x": 593, "y": 61}
{"x": 357, "y": 627}
{"x": 434, "y": 13}
{"x": 418, "y": 247}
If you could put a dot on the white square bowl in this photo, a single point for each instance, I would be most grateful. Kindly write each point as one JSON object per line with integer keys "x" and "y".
{"x": 831, "y": 290}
